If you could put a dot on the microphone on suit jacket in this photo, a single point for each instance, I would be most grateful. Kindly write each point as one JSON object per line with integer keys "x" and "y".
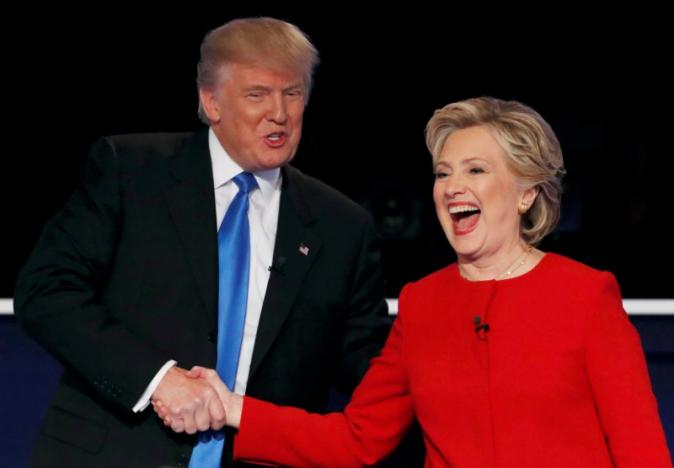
{"x": 277, "y": 266}
{"x": 480, "y": 327}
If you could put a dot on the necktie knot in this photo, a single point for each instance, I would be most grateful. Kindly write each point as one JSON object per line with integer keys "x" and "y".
{"x": 246, "y": 182}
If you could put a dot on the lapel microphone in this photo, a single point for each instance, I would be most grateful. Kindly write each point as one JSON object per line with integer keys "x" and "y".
{"x": 481, "y": 328}
{"x": 277, "y": 267}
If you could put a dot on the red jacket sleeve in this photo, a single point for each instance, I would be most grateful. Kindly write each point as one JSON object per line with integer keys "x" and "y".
{"x": 371, "y": 426}
{"x": 620, "y": 384}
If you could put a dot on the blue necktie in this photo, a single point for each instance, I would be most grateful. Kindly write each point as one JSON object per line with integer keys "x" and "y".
{"x": 234, "y": 267}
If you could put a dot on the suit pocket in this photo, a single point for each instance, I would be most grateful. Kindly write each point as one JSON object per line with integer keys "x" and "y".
{"x": 69, "y": 428}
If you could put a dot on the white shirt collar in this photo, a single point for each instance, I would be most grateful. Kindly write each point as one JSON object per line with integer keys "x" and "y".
{"x": 225, "y": 169}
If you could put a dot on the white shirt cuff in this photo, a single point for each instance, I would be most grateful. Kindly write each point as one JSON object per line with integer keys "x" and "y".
{"x": 154, "y": 383}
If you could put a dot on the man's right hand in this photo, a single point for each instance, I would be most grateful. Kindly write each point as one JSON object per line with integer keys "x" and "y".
{"x": 232, "y": 402}
{"x": 190, "y": 404}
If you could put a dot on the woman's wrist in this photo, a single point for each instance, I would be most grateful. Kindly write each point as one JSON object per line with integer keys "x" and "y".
{"x": 234, "y": 409}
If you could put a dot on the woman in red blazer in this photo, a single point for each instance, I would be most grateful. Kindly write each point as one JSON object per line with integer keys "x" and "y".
{"x": 510, "y": 357}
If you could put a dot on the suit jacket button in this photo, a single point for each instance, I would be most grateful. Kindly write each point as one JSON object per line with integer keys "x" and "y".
{"x": 182, "y": 459}
{"x": 212, "y": 337}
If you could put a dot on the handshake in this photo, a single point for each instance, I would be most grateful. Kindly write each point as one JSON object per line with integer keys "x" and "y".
{"x": 196, "y": 400}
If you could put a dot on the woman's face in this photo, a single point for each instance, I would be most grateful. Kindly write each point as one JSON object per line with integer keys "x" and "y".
{"x": 477, "y": 196}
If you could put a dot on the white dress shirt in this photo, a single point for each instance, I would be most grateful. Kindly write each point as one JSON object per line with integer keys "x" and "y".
{"x": 263, "y": 211}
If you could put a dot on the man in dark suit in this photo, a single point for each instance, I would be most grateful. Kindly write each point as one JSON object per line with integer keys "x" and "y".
{"x": 125, "y": 286}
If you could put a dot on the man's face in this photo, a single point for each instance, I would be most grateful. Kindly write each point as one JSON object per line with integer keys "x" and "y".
{"x": 256, "y": 113}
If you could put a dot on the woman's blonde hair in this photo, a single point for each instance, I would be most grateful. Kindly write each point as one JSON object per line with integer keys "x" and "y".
{"x": 532, "y": 152}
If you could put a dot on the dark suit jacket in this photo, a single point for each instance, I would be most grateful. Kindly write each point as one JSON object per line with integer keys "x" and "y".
{"x": 124, "y": 278}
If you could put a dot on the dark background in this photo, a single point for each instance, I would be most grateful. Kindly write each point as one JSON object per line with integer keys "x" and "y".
{"x": 601, "y": 79}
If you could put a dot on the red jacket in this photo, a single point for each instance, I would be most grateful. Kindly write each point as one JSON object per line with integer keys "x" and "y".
{"x": 558, "y": 380}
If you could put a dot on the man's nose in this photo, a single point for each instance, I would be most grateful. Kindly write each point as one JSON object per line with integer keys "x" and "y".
{"x": 278, "y": 110}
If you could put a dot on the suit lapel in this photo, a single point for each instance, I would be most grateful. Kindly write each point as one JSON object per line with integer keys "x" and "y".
{"x": 295, "y": 250}
{"x": 191, "y": 200}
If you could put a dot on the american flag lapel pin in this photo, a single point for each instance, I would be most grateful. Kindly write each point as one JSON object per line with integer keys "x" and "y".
{"x": 304, "y": 249}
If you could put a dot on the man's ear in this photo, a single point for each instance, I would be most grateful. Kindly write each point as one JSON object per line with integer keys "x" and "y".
{"x": 209, "y": 104}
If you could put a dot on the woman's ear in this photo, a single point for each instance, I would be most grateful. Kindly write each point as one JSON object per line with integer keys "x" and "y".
{"x": 527, "y": 199}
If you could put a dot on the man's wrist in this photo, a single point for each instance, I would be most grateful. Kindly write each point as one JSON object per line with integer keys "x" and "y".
{"x": 144, "y": 400}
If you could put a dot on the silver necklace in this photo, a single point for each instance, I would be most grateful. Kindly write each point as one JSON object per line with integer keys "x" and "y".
{"x": 521, "y": 260}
